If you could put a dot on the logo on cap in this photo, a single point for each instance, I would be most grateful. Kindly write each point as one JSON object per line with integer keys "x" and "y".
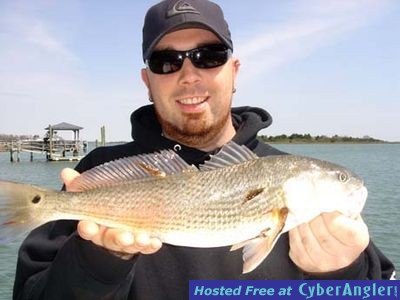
{"x": 181, "y": 7}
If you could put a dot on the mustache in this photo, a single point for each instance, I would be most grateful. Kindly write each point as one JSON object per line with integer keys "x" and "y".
{"x": 192, "y": 91}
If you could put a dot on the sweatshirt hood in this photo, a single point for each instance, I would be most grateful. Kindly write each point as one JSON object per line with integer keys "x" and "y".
{"x": 146, "y": 130}
{"x": 248, "y": 121}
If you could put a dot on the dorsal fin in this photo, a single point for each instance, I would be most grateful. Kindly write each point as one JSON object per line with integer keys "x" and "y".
{"x": 230, "y": 154}
{"x": 137, "y": 167}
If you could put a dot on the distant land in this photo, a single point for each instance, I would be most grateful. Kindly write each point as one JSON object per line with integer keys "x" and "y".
{"x": 296, "y": 138}
{"x": 15, "y": 137}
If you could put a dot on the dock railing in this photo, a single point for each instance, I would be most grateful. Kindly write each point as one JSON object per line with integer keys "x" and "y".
{"x": 55, "y": 150}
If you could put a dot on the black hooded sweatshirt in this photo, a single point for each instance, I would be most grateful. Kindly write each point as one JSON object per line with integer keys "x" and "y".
{"x": 55, "y": 263}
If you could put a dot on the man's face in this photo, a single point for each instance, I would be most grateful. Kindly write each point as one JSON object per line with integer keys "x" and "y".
{"x": 192, "y": 104}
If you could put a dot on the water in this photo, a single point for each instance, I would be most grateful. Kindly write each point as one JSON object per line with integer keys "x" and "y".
{"x": 378, "y": 165}
{"x": 39, "y": 172}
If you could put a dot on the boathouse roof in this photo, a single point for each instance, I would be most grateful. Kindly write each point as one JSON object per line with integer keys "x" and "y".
{"x": 64, "y": 126}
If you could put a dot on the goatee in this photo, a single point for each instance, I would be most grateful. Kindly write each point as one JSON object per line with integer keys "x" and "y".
{"x": 195, "y": 132}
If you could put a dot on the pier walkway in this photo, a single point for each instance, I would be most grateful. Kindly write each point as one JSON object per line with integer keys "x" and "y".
{"x": 54, "y": 147}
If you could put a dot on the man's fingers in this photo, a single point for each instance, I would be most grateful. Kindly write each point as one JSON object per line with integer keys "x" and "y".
{"x": 348, "y": 231}
{"x": 142, "y": 240}
{"x": 116, "y": 239}
{"x": 110, "y": 238}
{"x": 154, "y": 245}
{"x": 124, "y": 238}
{"x": 297, "y": 252}
{"x": 124, "y": 241}
{"x": 88, "y": 230}
{"x": 327, "y": 242}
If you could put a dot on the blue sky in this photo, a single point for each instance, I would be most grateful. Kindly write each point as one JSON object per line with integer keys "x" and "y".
{"x": 319, "y": 67}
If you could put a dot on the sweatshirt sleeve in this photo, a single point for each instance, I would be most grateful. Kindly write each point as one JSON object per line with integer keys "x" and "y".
{"x": 371, "y": 264}
{"x": 53, "y": 260}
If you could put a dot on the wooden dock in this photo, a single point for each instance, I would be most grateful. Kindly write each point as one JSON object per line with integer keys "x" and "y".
{"x": 53, "y": 147}
{"x": 62, "y": 150}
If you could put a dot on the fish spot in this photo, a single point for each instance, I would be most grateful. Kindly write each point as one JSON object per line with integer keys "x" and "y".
{"x": 36, "y": 199}
{"x": 264, "y": 234}
{"x": 284, "y": 211}
{"x": 252, "y": 194}
{"x": 151, "y": 170}
{"x": 10, "y": 222}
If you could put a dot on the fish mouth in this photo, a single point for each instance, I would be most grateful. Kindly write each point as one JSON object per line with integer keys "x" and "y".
{"x": 361, "y": 192}
{"x": 357, "y": 199}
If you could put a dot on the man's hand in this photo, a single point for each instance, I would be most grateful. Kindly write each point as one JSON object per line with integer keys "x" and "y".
{"x": 328, "y": 243}
{"x": 125, "y": 243}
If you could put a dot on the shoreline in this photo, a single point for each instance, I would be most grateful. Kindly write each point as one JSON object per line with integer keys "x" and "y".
{"x": 330, "y": 143}
{"x": 321, "y": 139}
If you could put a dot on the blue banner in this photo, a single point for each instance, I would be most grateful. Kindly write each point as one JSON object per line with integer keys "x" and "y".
{"x": 294, "y": 289}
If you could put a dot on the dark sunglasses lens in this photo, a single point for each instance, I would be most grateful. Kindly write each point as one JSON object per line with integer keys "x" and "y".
{"x": 165, "y": 62}
{"x": 169, "y": 61}
{"x": 210, "y": 56}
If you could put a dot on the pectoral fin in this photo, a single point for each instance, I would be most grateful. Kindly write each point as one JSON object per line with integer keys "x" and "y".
{"x": 257, "y": 249}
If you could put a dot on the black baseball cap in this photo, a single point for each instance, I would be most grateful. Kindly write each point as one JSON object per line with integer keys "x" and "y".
{"x": 171, "y": 15}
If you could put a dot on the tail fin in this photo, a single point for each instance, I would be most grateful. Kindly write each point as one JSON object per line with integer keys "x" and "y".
{"x": 21, "y": 209}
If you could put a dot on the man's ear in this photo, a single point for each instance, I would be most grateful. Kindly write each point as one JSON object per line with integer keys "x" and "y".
{"x": 236, "y": 67}
{"x": 145, "y": 77}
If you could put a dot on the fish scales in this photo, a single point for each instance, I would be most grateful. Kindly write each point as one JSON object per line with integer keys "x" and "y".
{"x": 212, "y": 200}
{"x": 235, "y": 199}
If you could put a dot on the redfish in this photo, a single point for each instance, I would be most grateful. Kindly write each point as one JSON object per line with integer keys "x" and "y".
{"x": 235, "y": 199}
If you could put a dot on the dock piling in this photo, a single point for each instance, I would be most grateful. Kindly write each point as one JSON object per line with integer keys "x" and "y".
{"x": 103, "y": 135}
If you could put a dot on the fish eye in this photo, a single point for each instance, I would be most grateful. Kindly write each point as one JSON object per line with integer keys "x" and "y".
{"x": 343, "y": 177}
{"x": 36, "y": 199}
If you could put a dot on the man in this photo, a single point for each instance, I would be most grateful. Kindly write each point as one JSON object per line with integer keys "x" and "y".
{"x": 190, "y": 75}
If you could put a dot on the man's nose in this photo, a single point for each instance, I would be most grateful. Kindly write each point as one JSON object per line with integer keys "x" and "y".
{"x": 188, "y": 74}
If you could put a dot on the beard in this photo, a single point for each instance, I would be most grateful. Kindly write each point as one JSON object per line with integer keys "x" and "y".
{"x": 195, "y": 131}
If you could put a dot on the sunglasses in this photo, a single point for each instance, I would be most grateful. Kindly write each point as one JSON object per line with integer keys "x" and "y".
{"x": 205, "y": 57}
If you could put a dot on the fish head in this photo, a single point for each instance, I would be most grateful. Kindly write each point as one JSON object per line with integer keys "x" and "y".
{"x": 319, "y": 186}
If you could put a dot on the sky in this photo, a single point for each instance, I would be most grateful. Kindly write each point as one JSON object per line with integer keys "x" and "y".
{"x": 318, "y": 67}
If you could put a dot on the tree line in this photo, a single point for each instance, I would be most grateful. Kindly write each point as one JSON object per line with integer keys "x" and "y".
{"x": 307, "y": 138}
{"x": 14, "y": 137}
